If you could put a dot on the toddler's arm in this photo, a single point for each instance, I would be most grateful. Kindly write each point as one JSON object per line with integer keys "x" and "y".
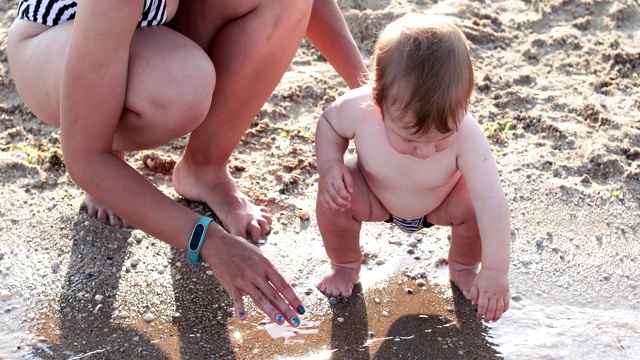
{"x": 335, "y": 185}
{"x": 476, "y": 163}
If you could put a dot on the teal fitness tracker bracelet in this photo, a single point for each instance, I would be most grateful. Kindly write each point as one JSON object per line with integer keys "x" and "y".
{"x": 197, "y": 239}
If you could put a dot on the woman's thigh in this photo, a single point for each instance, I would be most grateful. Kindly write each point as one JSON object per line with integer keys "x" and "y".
{"x": 165, "y": 67}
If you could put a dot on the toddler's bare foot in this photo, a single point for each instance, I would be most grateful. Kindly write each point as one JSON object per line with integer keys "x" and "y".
{"x": 216, "y": 188}
{"x": 101, "y": 212}
{"x": 341, "y": 280}
{"x": 463, "y": 276}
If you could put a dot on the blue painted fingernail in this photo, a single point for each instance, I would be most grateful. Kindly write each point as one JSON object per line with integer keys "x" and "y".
{"x": 295, "y": 321}
{"x": 241, "y": 314}
{"x": 279, "y": 319}
{"x": 300, "y": 309}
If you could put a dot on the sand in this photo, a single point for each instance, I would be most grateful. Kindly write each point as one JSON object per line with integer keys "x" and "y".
{"x": 558, "y": 96}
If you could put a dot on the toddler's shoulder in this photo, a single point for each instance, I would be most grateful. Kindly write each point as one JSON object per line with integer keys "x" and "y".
{"x": 469, "y": 126}
{"x": 353, "y": 102}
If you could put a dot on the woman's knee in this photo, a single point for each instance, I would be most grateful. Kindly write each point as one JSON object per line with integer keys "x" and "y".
{"x": 182, "y": 100}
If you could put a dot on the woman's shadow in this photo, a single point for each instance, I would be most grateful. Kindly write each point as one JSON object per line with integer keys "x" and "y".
{"x": 101, "y": 328}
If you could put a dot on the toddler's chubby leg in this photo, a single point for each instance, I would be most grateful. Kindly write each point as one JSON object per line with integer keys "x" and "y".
{"x": 466, "y": 249}
{"x": 340, "y": 232}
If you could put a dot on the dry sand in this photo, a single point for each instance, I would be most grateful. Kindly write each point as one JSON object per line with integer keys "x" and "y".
{"x": 559, "y": 98}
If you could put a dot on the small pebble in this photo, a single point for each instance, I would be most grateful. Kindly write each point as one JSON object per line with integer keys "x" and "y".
{"x": 420, "y": 282}
{"x": 516, "y": 297}
{"x": 539, "y": 242}
{"x": 417, "y": 237}
{"x": 178, "y": 277}
{"x": 161, "y": 271}
{"x": 409, "y": 290}
{"x": 413, "y": 243}
{"x": 262, "y": 241}
{"x": 385, "y": 314}
{"x": 333, "y": 301}
{"x": 5, "y": 295}
{"x": 99, "y": 297}
{"x": 308, "y": 291}
{"x": 135, "y": 262}
{"x": 340, "y": 320}
{"x": 423, "y": 317}
{"x": 372, "y": 334}
{"x": 209, "y": 272}
{"x": 178, "y": 264}
{"x": 304, "y": 215}
{"x": 411, "y": 251}
{"x": 138, "y": 239}
{"x": 377, "y": 300}
{"x": 380, "y": 262}
{"x": 55, "y": 266}
{"x": 149, "y": 317}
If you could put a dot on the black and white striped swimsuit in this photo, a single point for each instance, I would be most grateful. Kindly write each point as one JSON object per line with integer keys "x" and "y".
{"x": 55, "y": 12}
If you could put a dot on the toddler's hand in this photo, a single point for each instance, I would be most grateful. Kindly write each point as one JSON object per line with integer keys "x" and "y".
{"x": 490, "y": 292}
{"x": 335, "y": 188}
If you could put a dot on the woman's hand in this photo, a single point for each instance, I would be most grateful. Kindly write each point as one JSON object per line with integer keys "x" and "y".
{"x": 242, "y": 269}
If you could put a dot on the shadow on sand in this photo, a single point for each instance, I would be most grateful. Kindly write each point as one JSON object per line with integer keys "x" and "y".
{"x": 100, "y": 329}
{"x": 407, "y": 326}
{"x": 383, "y": 322}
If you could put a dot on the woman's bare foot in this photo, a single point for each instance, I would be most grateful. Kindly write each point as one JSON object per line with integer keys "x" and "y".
{"x": 463, "y": 276}
{"x": 101, "y": 212}
{"x": 341, "y": 280}
{"x": 216, "y": 188}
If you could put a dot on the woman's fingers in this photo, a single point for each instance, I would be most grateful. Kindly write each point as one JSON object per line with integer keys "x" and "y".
{"x": 283, "y": 288}
{"x": 243, "y": 270}
{"x": 269, "y": 289}
{"x": 272, "y": 303}
{"x": 238, "y": 304}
